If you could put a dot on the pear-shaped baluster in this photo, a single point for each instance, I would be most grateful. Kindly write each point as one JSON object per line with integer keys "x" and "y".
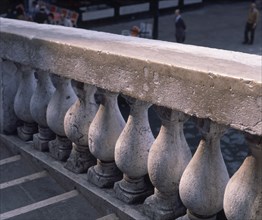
{"x": 23, "y": 97}
{"x": 204, "y": 180}
{"x": 167, "y": 160}
{"x": 38, "y": 106}
{"x": 243, "y": 194}
{"x": 103, "y": 134}
{"x": 131, "y": 154}
{"x": 63, "y": 98}
{"x": 77, "y": 122}
{"x": 9, "y": 79}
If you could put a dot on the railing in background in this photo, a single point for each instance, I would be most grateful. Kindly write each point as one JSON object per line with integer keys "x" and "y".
{"x": 221, "y": 89}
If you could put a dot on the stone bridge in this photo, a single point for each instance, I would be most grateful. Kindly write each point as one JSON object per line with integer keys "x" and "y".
{"x": 60, "y": 88}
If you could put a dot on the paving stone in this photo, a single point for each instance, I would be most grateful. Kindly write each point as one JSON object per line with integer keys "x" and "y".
{"x": 28, "y": 192}
{"x": 75, "y": 208}
{"x": 15, "y": 170}
{"x": 4, "y": 153}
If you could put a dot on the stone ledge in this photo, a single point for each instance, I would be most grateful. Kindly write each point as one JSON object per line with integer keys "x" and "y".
{"x": 224, "y": 86}
{"x": 103, "y": 200}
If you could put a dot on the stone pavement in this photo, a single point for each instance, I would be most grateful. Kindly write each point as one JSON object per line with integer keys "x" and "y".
{"x": 218, "y": 26}
{"x": 214, "y": 25}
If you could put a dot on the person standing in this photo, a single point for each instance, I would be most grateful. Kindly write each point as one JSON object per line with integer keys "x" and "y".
{"x": 180, "y": 27}
{"x": 251, "y": 24}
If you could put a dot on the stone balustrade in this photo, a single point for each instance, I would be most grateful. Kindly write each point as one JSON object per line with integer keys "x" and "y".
{"x": 49, "y": 78}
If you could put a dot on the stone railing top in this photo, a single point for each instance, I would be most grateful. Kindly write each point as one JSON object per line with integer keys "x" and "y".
{"x": 224, "y": 86}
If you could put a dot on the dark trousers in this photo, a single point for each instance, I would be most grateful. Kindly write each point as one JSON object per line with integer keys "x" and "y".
{"x": 249, "y": 29}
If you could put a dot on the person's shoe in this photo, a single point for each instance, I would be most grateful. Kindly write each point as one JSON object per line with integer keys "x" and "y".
{"x": 244, "y": 42}
{"x": 250, "y": 43}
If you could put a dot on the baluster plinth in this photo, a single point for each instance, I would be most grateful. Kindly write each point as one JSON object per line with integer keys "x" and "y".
{"x": 131, "y": 154}
{"x": 167, "y": 160}
{"x": 42, "y": 138}
{"x": 60, "y": 148}
{"x": 77, "y": 122}
{"x": 104, "y": 174}
{"x": 103, "y": 134}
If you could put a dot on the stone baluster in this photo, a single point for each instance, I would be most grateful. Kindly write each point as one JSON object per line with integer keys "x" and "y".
{"x": 131, "y": 154}
{"x": 77, "y": 122}
{"x": 22, "y": 103}
{"x": 243, "y": 194}
{"x": 38, "y": 106}
{"x": 204, "y": 180}
{"x": 103, "y": 134}
{"x": 9, "y": 80}
{"x": 63, "y": 98}
{"x": 167, "y": 160}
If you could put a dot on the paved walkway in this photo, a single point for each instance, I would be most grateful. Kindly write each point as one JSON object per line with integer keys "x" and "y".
{"x": 216, "y": 25}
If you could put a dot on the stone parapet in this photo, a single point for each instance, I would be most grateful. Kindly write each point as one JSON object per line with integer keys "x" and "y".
{"x": 224, "y": 86}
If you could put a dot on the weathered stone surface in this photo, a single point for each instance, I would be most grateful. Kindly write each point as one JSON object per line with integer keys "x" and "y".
{"x": 204, "y": 180}
{"x": 131, "y": 153}
{"x": 76, "y": 123}
{"x": 9, "y": 81}
{"x": 62, "y": 99}
{"x": 41, "y": 139}
{"x": 60, "y": 148}
{"x": 80, "y": 160}
{"x": 103, "y": 134}
{"x": 104, "y": 175}
{"x": 243, "y": 194}
{"x": 222, "y": 85}
{"x": 167, "y": 160}
{"x": 22, "y": 100}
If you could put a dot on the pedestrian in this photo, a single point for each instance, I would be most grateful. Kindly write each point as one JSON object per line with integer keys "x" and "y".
{"x": 251, "y": 24}
{"x": 65, "y": 21}
{"x": 180, "y": 27}
{"x": 135, "y": 31}
{"x": 41, "y": 16}
{"x": 50, "y": 19}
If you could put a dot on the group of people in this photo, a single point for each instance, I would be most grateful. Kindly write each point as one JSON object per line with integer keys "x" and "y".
{"x": 38, "y": 13}
{"x": 249, "y": 33}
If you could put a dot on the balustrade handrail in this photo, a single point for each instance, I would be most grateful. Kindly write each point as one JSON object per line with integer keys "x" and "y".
{"x": 224, "y": 86}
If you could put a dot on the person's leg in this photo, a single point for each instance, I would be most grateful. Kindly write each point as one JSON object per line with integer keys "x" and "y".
{"x": 246, "y": 34}
{"x": 252, "y": 31}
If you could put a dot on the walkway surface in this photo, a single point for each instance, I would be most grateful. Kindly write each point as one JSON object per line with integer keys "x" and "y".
{"x": 30, "y": 193}
{"x": 214, "y": 25}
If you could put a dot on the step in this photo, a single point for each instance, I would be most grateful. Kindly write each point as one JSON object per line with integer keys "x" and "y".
{"x": 66, "y": 206}
{"x": 5, "y": 153}
{"x": 28, "y": 192}
{"x": 14, "y": 169}
{"x": 103, "y": 200}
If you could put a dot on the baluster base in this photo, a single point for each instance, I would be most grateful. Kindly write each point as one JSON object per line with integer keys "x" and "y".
{"x": 80, "y": 159}
{"x": 41, "y": 139}
{"x": 193, "y": 216}
{"x": 104, "y": 174}
{"x": 60, "y": 148}
{"x": 27, "y": 131}
{"x": 161, "y": 207}
{"x": 132, "y": 190}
